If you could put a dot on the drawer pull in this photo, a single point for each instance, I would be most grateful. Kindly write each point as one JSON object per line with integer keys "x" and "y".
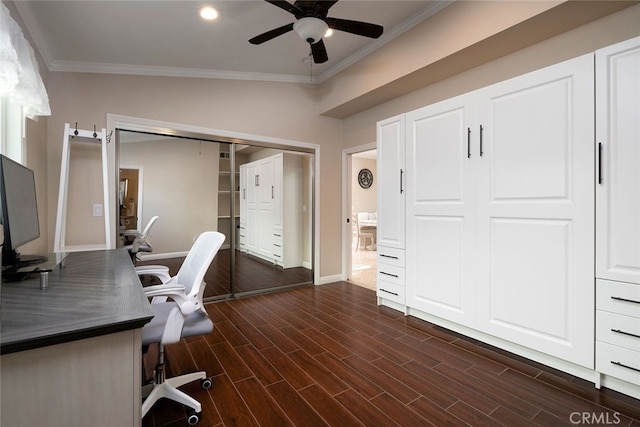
{"x": 618, "y": 331}
{"x": 277, "y": 246}
{"x": 277, "y": 235}
{"x": 625, "y": 366}
{"x": 625, "y": 300}
{"x": 388, "y": 256}
{"x": 389, "y": 274}
{"x": 389, "y": 292}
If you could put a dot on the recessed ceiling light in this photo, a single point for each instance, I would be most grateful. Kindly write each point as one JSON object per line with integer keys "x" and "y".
{"x": 328, "y": 33}
{"x": 208, "y": 13}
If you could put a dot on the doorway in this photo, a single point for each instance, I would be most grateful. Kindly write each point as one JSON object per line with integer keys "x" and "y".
{"x": 361, "y": 235}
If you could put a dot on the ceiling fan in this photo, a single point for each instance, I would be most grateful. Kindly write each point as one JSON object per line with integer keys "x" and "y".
{"x": 312, "y": 23}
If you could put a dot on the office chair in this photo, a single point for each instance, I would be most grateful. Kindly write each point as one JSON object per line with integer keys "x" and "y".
{"x": 140, "y": 242}
{"x": 183, "y": 315}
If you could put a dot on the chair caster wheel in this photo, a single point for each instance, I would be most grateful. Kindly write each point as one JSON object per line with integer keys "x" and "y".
{"x": 206, "y": 383}
{"x": 194, "y": 418}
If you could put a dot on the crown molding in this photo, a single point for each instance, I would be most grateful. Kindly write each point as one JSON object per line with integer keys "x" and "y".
{"x": 44, "y": 49}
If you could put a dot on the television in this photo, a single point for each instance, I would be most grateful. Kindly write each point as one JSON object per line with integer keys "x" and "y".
{"x": 19, "y": 213}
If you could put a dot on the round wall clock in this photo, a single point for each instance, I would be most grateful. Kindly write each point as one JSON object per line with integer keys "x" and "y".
{"x": 365, "y": 178}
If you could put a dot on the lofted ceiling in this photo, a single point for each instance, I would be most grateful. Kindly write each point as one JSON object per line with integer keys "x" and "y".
{"x": 168, "y": 38}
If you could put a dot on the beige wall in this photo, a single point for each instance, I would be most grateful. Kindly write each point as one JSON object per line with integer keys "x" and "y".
{"x": 180, "y": 185}
{"x": 363, "y": 199}
{"x": 273, "y": 110}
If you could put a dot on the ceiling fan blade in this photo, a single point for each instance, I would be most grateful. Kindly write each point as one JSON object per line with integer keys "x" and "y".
{"x": 327, "y": 4}
{"x": 264, "y": 37}
{"x": 355, "y": 27}
{"x": 286, "y": 6}
{"x": 319, "y": 52}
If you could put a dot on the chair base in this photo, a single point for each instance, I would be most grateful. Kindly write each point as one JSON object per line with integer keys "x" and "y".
{"x": 169, "y": 389}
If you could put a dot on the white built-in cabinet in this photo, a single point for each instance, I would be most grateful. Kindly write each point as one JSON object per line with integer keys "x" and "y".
{"x": 390, "y": 277}
{"x": 499, "y": 211}
{"x": 270, "y": 206}
{"x": 618, "y": 211}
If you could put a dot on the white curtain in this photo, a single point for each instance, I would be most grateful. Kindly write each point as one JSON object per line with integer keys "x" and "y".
{"x": 20, "y": 79}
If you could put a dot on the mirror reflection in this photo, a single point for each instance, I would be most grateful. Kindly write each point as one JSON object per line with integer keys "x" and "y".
{"x": 260, "y": 198}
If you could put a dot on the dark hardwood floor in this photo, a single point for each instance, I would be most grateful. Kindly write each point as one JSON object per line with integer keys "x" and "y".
{"x": 252, "y": 274}
{"x": 328, "y": 355}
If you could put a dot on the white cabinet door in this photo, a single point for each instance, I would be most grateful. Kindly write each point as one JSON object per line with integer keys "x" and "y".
{"x": 618, "y": 174}
{"x": 391, "y": 182}
{"x": 441, "y": 209}
{"x": 276, "y": 191}
{"x": 251, "y": 203}
{"x": 242, "y": 241}
{"x": 264, "y": 190}
{"x": 535, "y": 210}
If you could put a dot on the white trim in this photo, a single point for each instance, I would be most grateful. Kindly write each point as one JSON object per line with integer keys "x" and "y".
{"x": 325, "y": 280}
{"x": 139, "y": 223}
{"x": 117, "y": 121}
{"x": 345, "y": 202}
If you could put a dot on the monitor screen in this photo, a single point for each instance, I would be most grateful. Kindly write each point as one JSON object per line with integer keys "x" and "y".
{"x": 19, "y": 207}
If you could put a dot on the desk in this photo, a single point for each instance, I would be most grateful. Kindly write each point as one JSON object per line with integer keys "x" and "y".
{"x": 71, "y": 353}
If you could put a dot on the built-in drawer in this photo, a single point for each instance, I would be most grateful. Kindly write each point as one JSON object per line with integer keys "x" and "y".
{"x": 618, "y": 362}
{"x": 390, "y": 291}
{"x": 617, "y": 329}
{"x": 391, "y": 274}
{"x": 618, "y": 297}
{"x": 390, "y": 256}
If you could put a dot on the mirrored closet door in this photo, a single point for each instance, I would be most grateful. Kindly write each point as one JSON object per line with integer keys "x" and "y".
{"x": 193, "y": 185}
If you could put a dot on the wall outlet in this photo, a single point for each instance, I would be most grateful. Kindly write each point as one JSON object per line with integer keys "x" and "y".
{"x": 97, "y": 209}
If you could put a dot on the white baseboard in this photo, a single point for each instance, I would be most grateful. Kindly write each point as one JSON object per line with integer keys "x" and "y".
{"x": 329, "y": 279}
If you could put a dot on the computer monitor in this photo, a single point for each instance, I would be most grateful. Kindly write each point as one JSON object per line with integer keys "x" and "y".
{"x": 19, "y": 212}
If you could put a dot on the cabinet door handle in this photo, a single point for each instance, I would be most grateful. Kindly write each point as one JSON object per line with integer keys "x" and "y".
{"x": 600, "y": 163}
{"x": 401, "y": 173}
{"x": 257, "y": 180}
{"x": 619, "y": 331}
{"x": 389, "y": 274}
{"x": 625, "y": 366}
{"x": 625, "y": 300}
{"x": 481, "y": 149}
{"x": 272, "y": 191}
{"x": 244, "y": 193}
{"x": 389, "y": 292}
{"x": 389, "y": 256}
{"x": 468, "y": 143}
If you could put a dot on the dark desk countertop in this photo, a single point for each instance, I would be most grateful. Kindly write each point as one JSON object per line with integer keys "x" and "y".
{"x": 96, "y": 293}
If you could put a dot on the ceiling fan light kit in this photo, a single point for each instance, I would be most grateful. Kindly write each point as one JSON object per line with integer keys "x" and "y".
{"x": 310, "y": 30}
{"x": 312, "y": 24}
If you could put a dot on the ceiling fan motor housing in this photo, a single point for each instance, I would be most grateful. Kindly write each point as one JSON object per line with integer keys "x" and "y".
{"x": 310, "y": 29}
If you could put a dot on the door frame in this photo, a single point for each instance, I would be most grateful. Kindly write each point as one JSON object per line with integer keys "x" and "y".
{"x": 136, "y": 124}
{"x": 346, "y": 203}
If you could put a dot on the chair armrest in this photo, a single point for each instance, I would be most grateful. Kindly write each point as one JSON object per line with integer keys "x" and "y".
{"x": 159, "y": 271}
{"x": 186, "y": 303}
{"x": 164, "y": 290}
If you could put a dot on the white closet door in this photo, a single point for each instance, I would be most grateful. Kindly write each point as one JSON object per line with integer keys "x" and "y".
{"x": 535, "y": 210}
{"x": 441, "y": 206}
{"x": 618, "y": 141}
{"x": 391, "y": 174}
